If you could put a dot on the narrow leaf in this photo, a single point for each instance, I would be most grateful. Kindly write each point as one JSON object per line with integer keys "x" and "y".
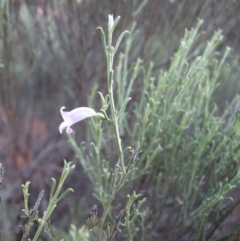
{"x": 53, "y": 187}
{"x": 103, "y": 39}
{"x": 119, "y": 40}
{"x": 65, "y": 194}
{"x": 124, "y": 106}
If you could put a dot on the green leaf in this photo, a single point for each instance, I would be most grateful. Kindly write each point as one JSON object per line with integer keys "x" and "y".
{"x": 119, "y": 40}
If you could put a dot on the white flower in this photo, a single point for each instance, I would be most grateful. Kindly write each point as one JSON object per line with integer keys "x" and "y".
{"x": 74, "y": 116}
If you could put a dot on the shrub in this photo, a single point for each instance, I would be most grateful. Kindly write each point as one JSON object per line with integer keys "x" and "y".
{"x": 189, "y": 158}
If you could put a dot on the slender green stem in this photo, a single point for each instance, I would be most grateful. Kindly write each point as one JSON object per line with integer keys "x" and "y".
{"x": 110, "y": 57}
{"x": 53, "y": 200}
{"x": 105, "y": 213}
{"x": 49, "y": 211}
{"x": 98, "y": 157}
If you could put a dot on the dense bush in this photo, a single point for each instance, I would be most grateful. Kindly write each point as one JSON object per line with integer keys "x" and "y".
{"x": 183, "y": 112}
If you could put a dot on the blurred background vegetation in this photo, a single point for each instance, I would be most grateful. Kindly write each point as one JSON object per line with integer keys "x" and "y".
{"x": 51, "y": 55}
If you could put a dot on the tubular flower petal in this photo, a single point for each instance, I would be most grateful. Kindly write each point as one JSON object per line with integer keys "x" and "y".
{"x": 74, "y": 116}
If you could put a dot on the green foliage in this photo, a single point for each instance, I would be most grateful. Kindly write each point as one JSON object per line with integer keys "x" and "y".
{"x": 108, "y": 177}
{"x": 78, "y": 235}
{"x": 55, "y": 197}
{"x": 176, "y": 188}
{"x": 190, "y": 152}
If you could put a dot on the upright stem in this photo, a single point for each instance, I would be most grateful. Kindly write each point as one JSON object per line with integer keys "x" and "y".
{"x": 109, "y": 49}
{"x": 110, "y": 56}
{"x": 53, "y": 200}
